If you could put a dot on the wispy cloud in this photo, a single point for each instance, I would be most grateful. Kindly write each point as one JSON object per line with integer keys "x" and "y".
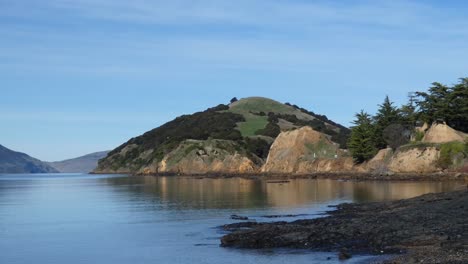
{"x": 266, "y": 35}
{"x": 264, "y": 13}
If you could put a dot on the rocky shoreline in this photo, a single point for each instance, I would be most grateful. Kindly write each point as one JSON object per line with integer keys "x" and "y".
{"x": 432, "y": 228}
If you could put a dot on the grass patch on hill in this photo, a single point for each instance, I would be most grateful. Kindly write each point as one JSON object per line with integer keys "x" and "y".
{"x": 252, "y": 124}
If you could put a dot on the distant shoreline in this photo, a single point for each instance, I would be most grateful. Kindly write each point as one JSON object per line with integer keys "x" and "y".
{"x": 355, "y": 176}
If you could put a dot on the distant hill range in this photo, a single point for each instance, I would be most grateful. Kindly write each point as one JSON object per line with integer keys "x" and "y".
{"x": 83, "y": 164}
{"x": 17, "y": 162}
{"x": 225, "y": 138}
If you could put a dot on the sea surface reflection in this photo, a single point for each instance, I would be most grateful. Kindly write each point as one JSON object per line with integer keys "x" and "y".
{"x": 76, "y": 218}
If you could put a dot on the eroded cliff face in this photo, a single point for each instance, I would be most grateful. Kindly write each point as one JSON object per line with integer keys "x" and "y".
{"x": 190, "y": 157}
{"x": 299, "y": 151}
{"x": 201, "y": 157}
{"x": 305, "y": 150}
{"x": 415, "y": 160}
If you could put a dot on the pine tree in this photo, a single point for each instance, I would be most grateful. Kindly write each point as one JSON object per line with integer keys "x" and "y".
{"x": 387, "y": 115}
{"x": 458, "y": 118}
{"x": 361, "y": 143}
{"x": 435, "y": 104}
{"x": 408, "y": 111}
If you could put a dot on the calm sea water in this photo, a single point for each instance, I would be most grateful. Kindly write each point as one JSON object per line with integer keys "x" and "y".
{"x": 73, "y": 218}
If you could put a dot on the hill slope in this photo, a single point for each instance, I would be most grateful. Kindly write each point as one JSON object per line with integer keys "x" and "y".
{"x": 267, "y": 117}
{"x": 83, "y": 164}
{"x": 17, "y": 162}
{"x": 242, "y": 132}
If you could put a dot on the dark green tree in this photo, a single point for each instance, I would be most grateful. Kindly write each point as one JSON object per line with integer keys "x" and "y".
{"x": 387, "y": 115}
{"x": 444, "y": 103}
{"x": 408, "y": 111}
{"x": 435, "y": 104}
{"x": 361, "y": 143}
{"x": 459, "y": 105}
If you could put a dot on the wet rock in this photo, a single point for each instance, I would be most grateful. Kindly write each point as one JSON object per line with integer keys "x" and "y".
{"x": 239, "y": 226}
{"x": 420, "y": 224}
{"x": 283, "y": 216}
{"x": 239, "y": 217}
{"x": 344, "y": 254}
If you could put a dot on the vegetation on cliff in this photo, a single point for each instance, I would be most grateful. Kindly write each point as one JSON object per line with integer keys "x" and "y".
{"x": 250, "y": 125}
{"x": 393, "y": 126}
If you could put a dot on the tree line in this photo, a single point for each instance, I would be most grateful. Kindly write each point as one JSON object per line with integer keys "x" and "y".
{"x": 393, "y": 126}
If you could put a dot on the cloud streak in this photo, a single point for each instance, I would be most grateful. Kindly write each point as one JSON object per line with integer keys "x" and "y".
{"x": 263, "y": 35}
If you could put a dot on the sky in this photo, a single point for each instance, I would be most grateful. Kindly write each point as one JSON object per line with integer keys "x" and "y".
{"x": 79, "y": 76}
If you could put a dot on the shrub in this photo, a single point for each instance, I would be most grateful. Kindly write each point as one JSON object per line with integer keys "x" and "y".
{"x": 448, "y": 152}
{"x": 418, "y": 136}
{"x": 257, "y": 146}
{"x": 271, "y": 130}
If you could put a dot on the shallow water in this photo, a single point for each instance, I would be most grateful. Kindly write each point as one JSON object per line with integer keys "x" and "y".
{"x": 76, "y": 218}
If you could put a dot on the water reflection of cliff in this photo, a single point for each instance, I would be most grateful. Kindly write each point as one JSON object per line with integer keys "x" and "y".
{"x": 188, "y": 192}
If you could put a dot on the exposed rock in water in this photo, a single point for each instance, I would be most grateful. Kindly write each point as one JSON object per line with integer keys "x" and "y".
{"x": 344, "y": 255}
{"x": 284, "y": 216}
{"x": 239, "y": 217}
{"x": 430, "y": 228}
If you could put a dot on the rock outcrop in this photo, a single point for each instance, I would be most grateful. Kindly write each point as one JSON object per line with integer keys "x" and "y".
{"x": 190, "y": 157}
{"x": 227, "y": 142}
{"x": 379, "y": 163}
{"x": 442, "y": 133}
{"x": 204, "y": 156}
{"x": 305, "y": 150}
{"x": 415, "y": 159}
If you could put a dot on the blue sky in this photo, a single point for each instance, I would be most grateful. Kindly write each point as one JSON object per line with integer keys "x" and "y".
{"x": 78, "y": 76}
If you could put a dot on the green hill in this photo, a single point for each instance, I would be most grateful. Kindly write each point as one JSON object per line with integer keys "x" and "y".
{"x": 247, "y": 126}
